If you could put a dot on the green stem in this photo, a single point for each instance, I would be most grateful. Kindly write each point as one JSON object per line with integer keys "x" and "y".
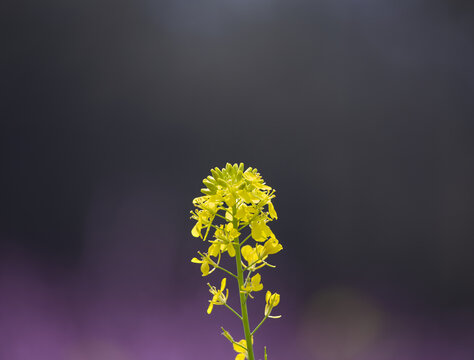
{"x": 235, "y": 312}
{"x": 219, "y": 215}
{"x": 243, "y": 241}
{"x": 208, "y": 228}
{"x": 227, "y": 271}
{"x": 261, "y": 322}
{"x": 243, "y": 301}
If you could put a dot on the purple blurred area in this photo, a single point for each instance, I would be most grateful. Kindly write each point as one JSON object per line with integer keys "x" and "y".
{"x": 359, "y": 113}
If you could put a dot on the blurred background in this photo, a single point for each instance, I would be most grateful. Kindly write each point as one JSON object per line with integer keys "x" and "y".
{"x": 359, "y": 113}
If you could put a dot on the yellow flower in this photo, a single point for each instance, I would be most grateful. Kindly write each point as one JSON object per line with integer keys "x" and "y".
{"x": 257, "y": 255}
{"x": 208, "y": 205}
{"x": 272, "y": 246}
{"x": 214, "y": 249}
{"x": 204, "y": 220}
{"x": 254, "y": 178}
{"x": 260, "y": 230}
{"x": 196, "y": 230}
{"x": 205, "y": 262}
{"x": 250, "y": 254}
{"x": 271, "y": 300}
{"x": 241, "y": 348}
{"x": 253, "y": 285}
{"x": 225, "y": 239}
{"x": 244, "y": 212}
{"x": 218, "y": 297}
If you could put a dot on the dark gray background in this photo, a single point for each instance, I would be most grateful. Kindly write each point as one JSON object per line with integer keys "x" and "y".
{"x": 359, "y": 113}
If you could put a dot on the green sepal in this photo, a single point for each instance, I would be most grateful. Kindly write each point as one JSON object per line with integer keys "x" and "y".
{"x": 222, "y": 183}
{"x": 227, "y": 335}
{"x": 215, "y": 174}
{"x": 210, "y": 185}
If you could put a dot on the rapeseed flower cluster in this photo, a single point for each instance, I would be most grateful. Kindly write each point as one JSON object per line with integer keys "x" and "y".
{"x": 236, "y": 207}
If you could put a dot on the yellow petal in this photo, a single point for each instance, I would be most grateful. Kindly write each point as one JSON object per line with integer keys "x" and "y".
{"x": 205, "y": 268}
{"x": 245, "y": 196}
{"x": 257, "y": 231}
{"x": 196, "y": 261}
{"x": 266, "y": 230}
{"x": 195, "y": 232}
{"x": 272, "y": 211}
{"x": 230, "y": 200}
{"x": 267, "y": 296}
{"x": 241, "y": 213}
{"x": 250, "y": 176}
{"x": 256, "y": 285}
{"x": 231, "y": 250}
{"x": 223, "y": 282}
{"x": 259, "y": 251}
{"x": 247, "y": 251}
{"x": 240, "y": 357}
{"x": 214, "y": 250}
{"x": 209, "y": 309}
{"x": 276, "y": 300}
{"x": 241, "y": 346}
{"x": 256, "y": 279}
{"x": 272, "y": 246}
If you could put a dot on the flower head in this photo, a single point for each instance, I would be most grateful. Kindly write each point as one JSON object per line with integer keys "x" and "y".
{"x": 232, "y": 186}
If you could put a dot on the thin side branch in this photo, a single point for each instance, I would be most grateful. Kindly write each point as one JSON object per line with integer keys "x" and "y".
{"x": 235, "y": 312}
{"x": 227, "y": 271}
